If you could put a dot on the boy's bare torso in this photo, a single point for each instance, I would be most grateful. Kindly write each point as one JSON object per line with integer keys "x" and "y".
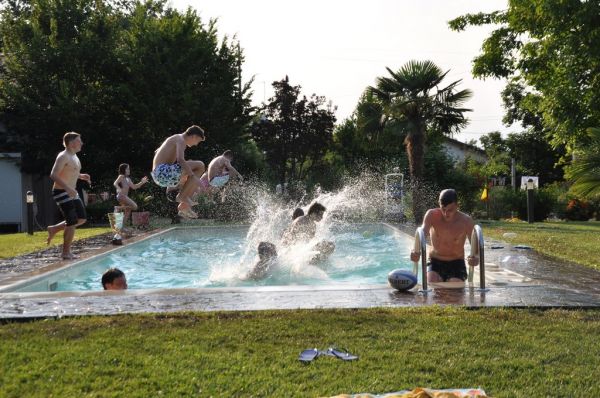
{"x": 70, "y": 171}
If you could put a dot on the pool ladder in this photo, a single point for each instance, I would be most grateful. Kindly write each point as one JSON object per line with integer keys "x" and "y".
{"x": 477, "y": 249}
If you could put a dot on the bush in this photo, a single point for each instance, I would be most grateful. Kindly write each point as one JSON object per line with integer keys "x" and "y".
{"x": 97, "y": 211}
{"x": 578, "y": 210}
{"x": 504, "y": 201}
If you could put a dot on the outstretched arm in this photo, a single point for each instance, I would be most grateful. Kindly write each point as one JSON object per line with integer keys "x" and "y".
{"x": 427, "y": 221}
{"x": 233, "y": 171}
{"x": 181, "y": 160}
{"x": 473, "y": 261}
{"x": 139, "y": 184}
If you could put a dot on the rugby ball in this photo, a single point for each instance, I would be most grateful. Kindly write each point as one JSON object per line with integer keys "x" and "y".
{"x": 401, "y": 279}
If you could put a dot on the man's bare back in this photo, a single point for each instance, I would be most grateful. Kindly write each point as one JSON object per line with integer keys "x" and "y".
{"x": 219, "y": 166}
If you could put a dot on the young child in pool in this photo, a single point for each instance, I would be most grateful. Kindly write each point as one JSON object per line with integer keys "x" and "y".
{"x": 123, "y": 184}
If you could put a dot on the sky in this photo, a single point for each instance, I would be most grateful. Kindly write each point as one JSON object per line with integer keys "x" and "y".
{"x": 337, "y": 48}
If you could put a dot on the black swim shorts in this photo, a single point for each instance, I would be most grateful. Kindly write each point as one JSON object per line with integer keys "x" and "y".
{"x": 448, "y": 269}
{"x": 71, "y": 208}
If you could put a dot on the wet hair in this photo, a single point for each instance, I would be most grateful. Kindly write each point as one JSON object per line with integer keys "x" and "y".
{"x": 448, "y": 196}
{"x": 228, "y": 154}
{"x": 110, "y": 275}
{"x": 195, "y": 130}
{"x": 316, "y": 208}
{"x": 297, "y": 213}
{"x": 70, "y": 136}
{"x": 267, "y": 249}
{"x": 123, "y": 168}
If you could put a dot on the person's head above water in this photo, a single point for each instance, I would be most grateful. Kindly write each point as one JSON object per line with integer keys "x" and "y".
{"x": 448, "y": 203}
{"x": 297, "y": 213}
{"x": 316, "y": 211}
{"x": 114, "y": 279}
{"x": 266, "y": 250}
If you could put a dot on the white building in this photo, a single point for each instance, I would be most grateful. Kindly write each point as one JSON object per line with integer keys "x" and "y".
{"x": 12, "y": 195}
{"x": 459, "y": 151}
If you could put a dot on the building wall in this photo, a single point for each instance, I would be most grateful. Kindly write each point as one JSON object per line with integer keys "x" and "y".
{"x": 11, "y": 198}
{"x": 459, "y": 151}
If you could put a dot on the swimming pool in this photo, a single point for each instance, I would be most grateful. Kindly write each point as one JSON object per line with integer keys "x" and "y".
{"x": 206, "y": 257}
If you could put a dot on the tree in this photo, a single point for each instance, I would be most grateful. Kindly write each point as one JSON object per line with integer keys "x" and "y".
{"x": 412, "y": 101}
{"x": 549, "y": 50}
{"x": 125, "y": 74}
{"x": 294, "y": 133}
{"x": 584, "y": 171}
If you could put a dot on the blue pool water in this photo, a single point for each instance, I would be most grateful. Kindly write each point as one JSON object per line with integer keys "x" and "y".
{"x": 222, "y": 256}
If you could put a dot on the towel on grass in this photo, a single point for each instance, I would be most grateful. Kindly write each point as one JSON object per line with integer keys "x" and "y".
{"x": 424, "y": 393}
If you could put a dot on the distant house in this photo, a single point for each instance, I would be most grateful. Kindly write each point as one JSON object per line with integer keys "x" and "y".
{"x": 15, "y": 184}
{"x": 12, "y": 195}
{"x": 459, "y": 151}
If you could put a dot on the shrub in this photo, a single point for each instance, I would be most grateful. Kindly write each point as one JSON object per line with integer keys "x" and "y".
{"x": 578, "y": 210}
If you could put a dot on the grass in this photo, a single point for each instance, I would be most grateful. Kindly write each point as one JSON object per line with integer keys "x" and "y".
{"x": 507, "y": 352}
{"x": 12, "y": 245}
{"x": 572, "y": 241}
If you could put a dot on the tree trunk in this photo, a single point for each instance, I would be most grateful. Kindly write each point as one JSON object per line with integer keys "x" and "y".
{"x": 415, "y": 150}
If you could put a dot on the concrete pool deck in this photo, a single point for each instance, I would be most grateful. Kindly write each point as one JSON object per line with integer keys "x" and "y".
{"x": 514, "y": 278}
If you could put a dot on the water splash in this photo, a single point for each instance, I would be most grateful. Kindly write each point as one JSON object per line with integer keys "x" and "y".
{"x": 361, "y": 199}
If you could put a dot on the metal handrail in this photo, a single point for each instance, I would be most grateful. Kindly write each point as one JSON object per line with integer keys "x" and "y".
{"x": 421, "y": 243}
{"x": 477, "y": 249}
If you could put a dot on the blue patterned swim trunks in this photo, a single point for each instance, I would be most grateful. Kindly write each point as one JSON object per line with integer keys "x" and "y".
{"x": 167, "y": 174}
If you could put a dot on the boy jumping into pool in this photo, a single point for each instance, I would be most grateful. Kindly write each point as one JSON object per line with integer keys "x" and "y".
{"x": 218, "y": 174}
{"x": 65, "y": 173}
{"x": 170, "y": 167}
{"x": 449, "y": 229}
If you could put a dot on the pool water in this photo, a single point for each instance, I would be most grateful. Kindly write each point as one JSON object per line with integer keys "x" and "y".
{"x": 208, "y": 257}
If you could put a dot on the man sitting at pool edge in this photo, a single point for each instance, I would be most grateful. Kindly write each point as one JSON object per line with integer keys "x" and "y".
{"x": 114, "y": 279}
{"x": 449, "y": 228}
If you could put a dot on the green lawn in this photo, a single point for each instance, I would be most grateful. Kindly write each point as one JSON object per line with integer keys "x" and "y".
{"x": 507, "y": 352}
{"x": 573, "y": 241}
{"x": 16, "y": 244}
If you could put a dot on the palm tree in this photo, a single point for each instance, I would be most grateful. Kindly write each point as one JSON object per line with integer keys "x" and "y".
{"x": 584, "y": 171}
{"x": 411, "y": 100}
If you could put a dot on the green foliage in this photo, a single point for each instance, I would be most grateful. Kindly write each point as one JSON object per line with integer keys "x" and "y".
{"x": 508, "y": 352}
{"x": 531, "y": 151}
{"x": 294, "y": 132}
{"x": 549, "y": 50}
{"x": 412, "y": 101}
{"x": 504, "y": 202}
{"x": 124, "y": 74}
{"x": 97, "y": 211}
{"x": 584, "y": 171}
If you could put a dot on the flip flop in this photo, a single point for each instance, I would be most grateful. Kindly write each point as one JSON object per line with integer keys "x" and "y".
{"x": 345, "y": 356}
{"x": 308, "y": 355}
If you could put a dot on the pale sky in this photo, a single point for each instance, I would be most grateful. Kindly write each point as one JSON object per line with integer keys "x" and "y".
{"x": 337, "y": 48}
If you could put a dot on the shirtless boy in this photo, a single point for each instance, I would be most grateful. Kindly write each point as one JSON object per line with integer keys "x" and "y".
{"x": 65, "y": 173}
{"x": 169, "y": 167}
{"x": 449, "y": 229}
{"x": 218, "y": 174}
